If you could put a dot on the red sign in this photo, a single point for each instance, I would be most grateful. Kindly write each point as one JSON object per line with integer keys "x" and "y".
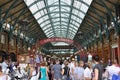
{"x": 66, "y": 40}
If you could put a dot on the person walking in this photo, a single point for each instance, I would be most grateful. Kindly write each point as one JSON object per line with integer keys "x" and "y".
{"x": 88, "y": 71}
{"x": 57, "y": 70}
{"x": 97, "y": 70}
{"x": 65, "y": 71}
{"x": 44, "y": 70}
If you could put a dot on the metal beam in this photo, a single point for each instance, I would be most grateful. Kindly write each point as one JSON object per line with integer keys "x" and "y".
{"x": 5, "y": 3}
{"x": 57, "y": 21}
{"x": 55, "y": 2}
{"x": 101, "y": 4}
{"x": 58, "y": 12}
{"x": 61, "y": 21}
{"x": 86, "y": 20}
{"x": 95, "y": 8}
{"x": 50, "y": 33}
{"x": 11, "y": 32}
{"x": 7, "y": 11}
{"x": 46, "y": 4}
{"x": 49, "y": 6}
{"x": 71, "y": 9}
{"x": 14, "y": 6}
{"x": 16, "y": 12}
{"x": 33, "y": 29}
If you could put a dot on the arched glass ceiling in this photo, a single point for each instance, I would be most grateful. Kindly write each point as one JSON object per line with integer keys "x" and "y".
{"x": 59, "y": 18}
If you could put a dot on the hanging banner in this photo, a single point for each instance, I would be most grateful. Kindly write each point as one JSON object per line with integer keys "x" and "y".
{"x": 56, "y": 39}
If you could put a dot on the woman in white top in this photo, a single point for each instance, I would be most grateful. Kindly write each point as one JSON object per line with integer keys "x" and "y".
{"x": 113, "y": 69}
{"x": 35, "y": 73}
{"x": 88, "y": 71}
{"x": 81, "y": 71}
{"x": 76, "y": 71}
{"x": 2, "y": 76}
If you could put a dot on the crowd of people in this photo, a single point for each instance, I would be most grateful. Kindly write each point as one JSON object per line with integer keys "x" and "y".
{"x": 57, "y": 70}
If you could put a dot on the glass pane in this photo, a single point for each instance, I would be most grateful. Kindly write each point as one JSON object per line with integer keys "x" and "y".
{"x": 77, "y": 4}
{"x": 65, "y": 8}
{"x": 66, "y": 1}
{"x": 28, "y": 2}
{"x": 51, "y": 1}
{"x": 88, "y": 1}
{"x": 60, "y": 29}
{"x": 33, "y": 8}
{"x": 37, "y": 15}
{"x": 40, "y": 4}
{"x": 47, "y": 30}
{"x": 84, "y": 8}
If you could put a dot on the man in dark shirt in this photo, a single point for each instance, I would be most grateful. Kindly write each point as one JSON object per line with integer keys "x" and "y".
{"x": 97, "y": 70}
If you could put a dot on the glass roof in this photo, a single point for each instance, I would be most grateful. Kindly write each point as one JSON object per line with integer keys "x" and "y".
{"x": 59, "y": 18}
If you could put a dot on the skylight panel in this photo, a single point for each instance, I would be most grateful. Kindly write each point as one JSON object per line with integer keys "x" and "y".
{"x": 48, "y": 29}
{"x": 64, "y": 23}
{"x": 55, "y": 19}
{"x": 57, "y": 15}
{"x": 51, "y": 1}
{"x": 66, "y": 1}
{"x": 41, "y": 4}
{"x": 46, "y": 17}
{"x": 42, "y": 25}
{"x": 57, "y": 26}
{"x": 73, "y": 30}
{"x": 63, "y": 19}
{"x": 84, "y": 8}
{"x": 45, "y": 11}
{"x": 50, "y": 32}
{"x": 77, "y": 4}
{"x": 61, "y": 44}
{"x": 42, "y": 13}
{"x": 33, "y": 8}
{"x": 75, "y": 11}
{"x": 28, "y": 2}
{"x": 88, "y": 1}
{"x": 37, "y": 15}
{"x": 73, "y": 26}
{"x": 65, "y": 8}
{"x": 46, "y": 21}
{"x": 64, "y": 15}
{"x": 82, "y": 15}
{"x": 56, "y": 23}
{"x": 63, "y": 27}
{"x": 40, "y": 20}
{"x": 52, "y": 9}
